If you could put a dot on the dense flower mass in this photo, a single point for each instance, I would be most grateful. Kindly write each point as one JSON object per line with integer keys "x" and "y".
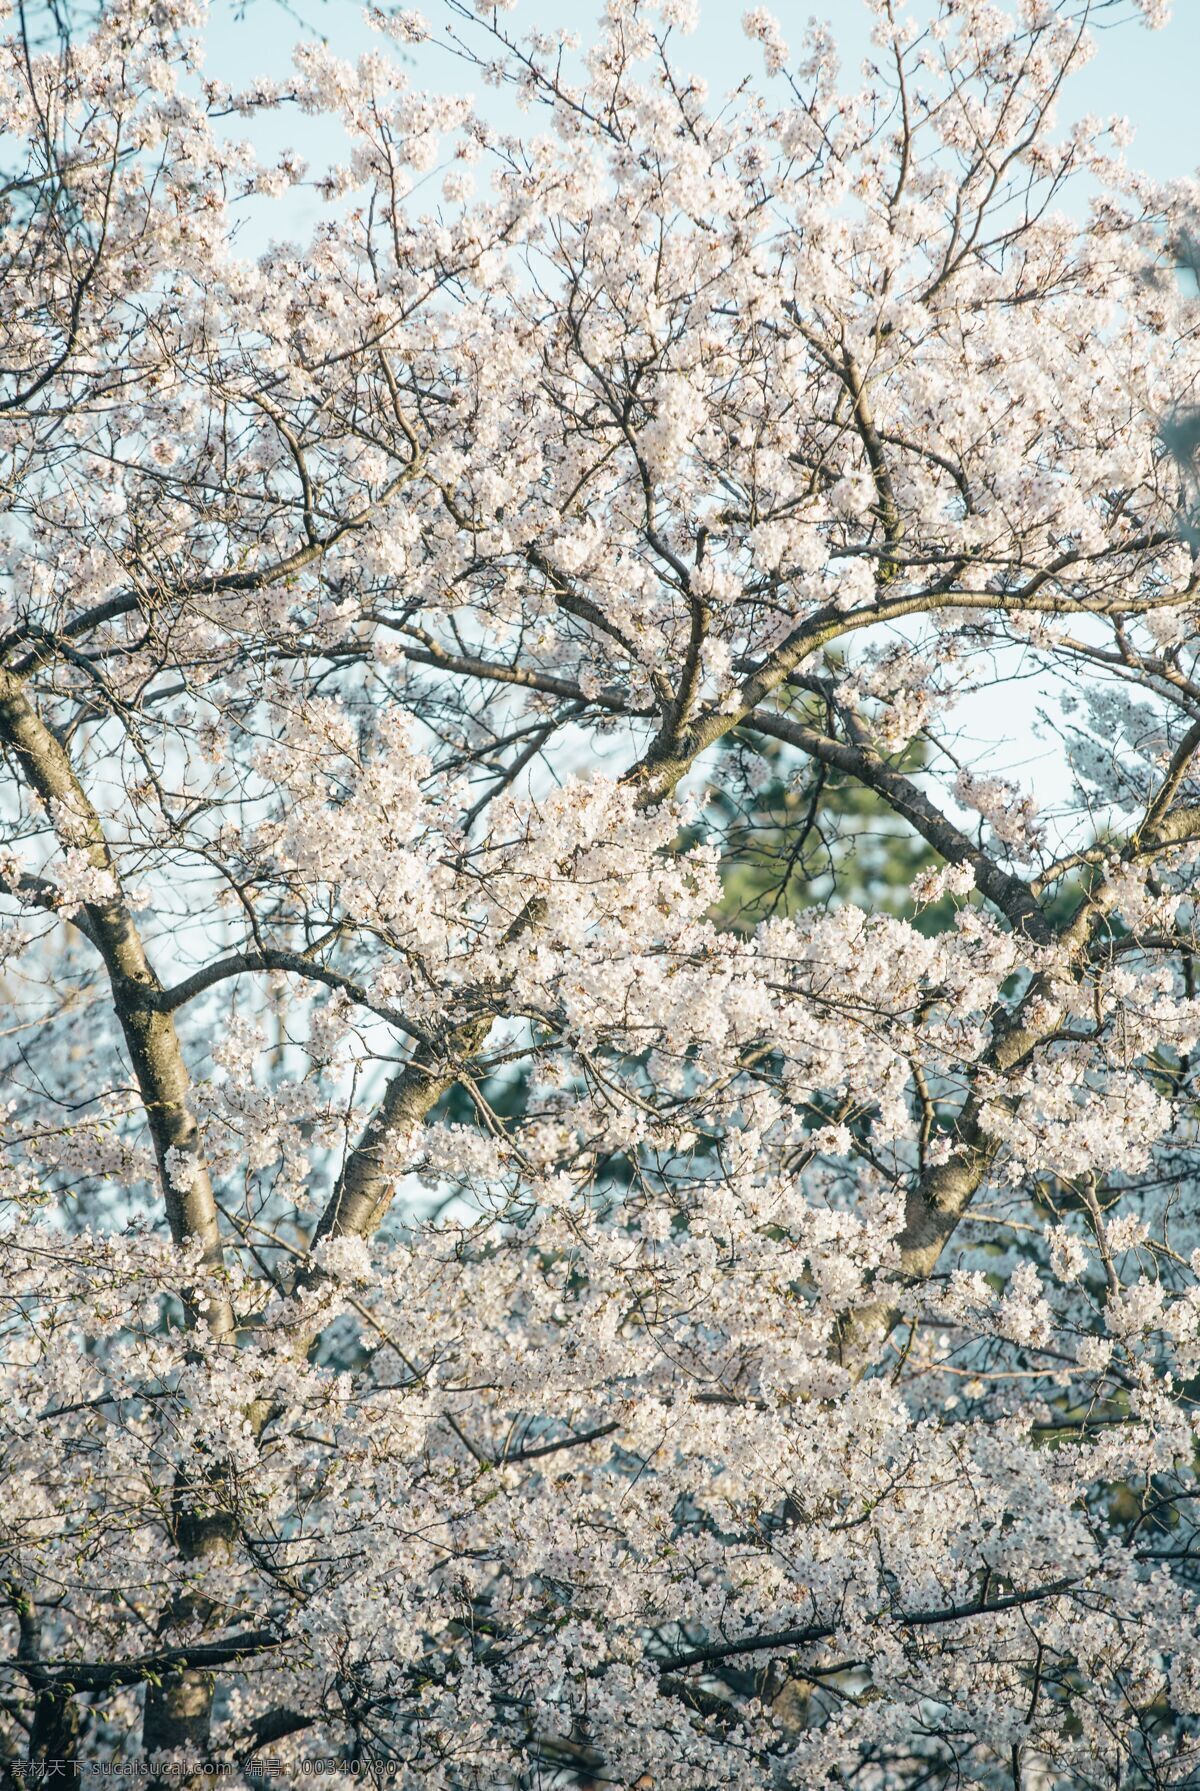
{"x": 530, "y": 1254}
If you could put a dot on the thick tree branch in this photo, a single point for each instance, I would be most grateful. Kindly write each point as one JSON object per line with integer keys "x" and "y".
{"x": 85, "y": 1676}
{"x": 149, "y": 1033}
{"x": 1007, "y": 892}
{"x": 714, "y": 1653}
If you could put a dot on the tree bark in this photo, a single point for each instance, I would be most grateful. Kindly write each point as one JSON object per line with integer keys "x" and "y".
{"x": 150, "y": 1035}
{"x": 179, "y": 1712}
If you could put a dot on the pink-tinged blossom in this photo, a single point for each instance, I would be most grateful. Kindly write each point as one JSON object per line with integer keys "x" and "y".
{"x": 536, "y": 1244}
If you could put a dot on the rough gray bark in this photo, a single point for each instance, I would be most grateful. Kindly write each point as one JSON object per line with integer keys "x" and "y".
{"x": 150, "y": 1035}
{"x": 364, "y": 1189}
{"x": 179, "y": 1711}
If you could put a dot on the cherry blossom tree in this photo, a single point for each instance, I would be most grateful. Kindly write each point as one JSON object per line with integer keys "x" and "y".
{"x": 473, "y": 1316}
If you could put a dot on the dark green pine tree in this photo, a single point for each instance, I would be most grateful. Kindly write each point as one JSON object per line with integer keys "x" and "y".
{"x": 793, "y": 833}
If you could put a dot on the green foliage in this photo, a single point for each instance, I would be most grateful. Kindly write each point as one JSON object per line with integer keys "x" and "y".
{"x": 804, "y": 834}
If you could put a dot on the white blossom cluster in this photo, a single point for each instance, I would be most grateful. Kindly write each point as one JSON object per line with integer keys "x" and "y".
{"x": 485, "y": 1303}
